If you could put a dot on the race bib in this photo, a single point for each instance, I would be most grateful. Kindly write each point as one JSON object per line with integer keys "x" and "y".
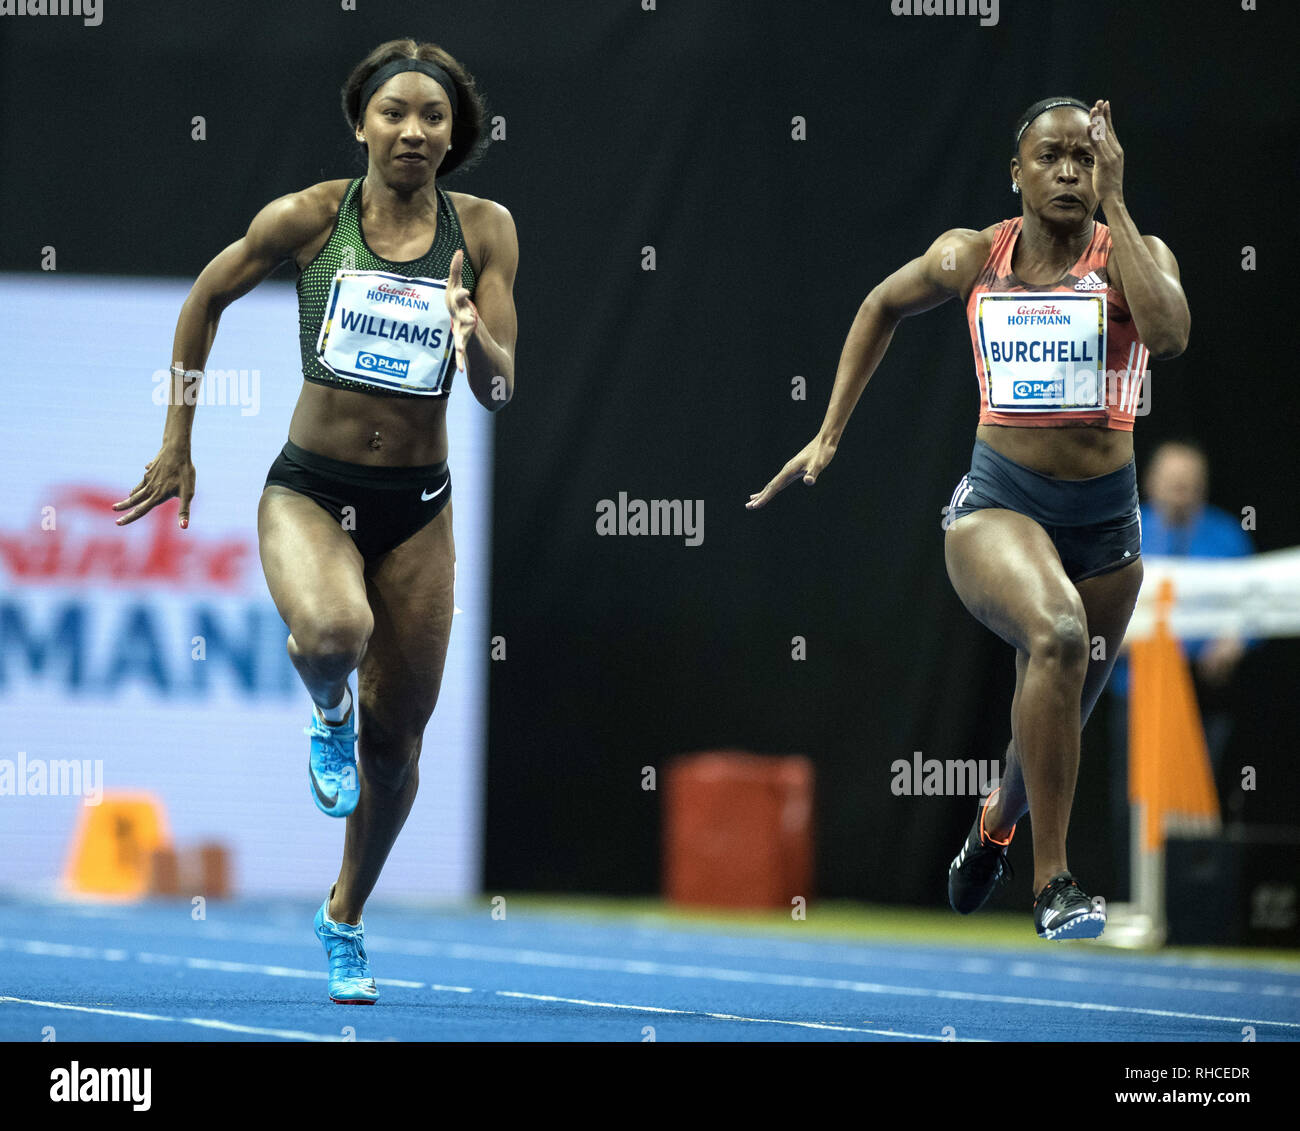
{"x": 1044, "y": 351}
{"x": 387, "y": 330}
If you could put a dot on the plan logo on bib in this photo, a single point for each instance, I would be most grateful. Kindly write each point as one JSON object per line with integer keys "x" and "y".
{"x": 377, "y": 363}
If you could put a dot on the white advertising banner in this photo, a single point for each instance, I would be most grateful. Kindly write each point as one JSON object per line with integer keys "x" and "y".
{"x": 100, "y": 625}
{"x": 1256, "y": 596}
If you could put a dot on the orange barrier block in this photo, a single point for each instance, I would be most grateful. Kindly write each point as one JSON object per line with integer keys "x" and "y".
{"x": 738, "y": 830}
{"x": 205, "y": 871}
{"x": 1169, "y": 765}
{"x": 164, "y": 873}
{"x": 114, "y": 844}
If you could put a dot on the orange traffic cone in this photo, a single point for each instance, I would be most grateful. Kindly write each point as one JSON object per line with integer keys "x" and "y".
{"x": 1169, "y": 765}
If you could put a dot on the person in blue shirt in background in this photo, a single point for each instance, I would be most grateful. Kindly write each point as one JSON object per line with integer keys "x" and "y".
{"x": 1178, "y": 522}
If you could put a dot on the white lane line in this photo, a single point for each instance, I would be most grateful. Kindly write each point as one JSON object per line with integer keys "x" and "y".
{"x": 32, "y": 946}
{"x": 1032, "y": 970}
{"x": 65, "y": 950}
{"x": 1098, "y": 970}
{"x": 733, "y": 1017}
{"x": 1037, "y": 971}
{"x": 522, "y": 957}
{"x": 254, "y": 968}
{"x": 229, "y": 967}
{"x": 59, "y": 950}
{"x": 201, "y": 1022}
{"x": 753, "y": 977}
{"x": 1199, "y": 961}
{"x": 649, "y": 938}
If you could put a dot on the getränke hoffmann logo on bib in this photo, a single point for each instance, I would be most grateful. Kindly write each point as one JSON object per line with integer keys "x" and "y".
{"x": 1044, "y": 351}
{"x": 391, "y": 331}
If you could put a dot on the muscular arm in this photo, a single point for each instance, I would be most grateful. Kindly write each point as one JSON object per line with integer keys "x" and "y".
{"x": 1147, "y": 272}
{"x": 949, "y": 268}
{"x": 275, "y": 233}
{"x": 490, "y": 352}
{"x": 945, "y": 270}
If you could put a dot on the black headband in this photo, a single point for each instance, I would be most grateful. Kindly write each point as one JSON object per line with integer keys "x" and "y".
{"x": 1052, "y": 105}
{"x": 397, "y": 67}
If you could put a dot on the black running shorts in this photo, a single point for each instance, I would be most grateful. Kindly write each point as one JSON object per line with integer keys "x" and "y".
{"x": 1094, "y": 523}
{"x": 380, "y": 507}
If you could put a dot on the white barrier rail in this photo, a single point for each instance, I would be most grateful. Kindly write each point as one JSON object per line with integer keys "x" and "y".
{"x": 1213, "y": 597}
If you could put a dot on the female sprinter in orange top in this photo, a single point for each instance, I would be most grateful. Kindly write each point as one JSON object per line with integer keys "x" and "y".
{"x": 1042, "y": 537}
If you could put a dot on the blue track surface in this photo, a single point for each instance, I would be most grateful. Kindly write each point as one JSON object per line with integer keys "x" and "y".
{"x": 256, "y": 972}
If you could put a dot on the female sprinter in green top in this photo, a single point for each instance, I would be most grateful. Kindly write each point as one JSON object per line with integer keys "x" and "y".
{"x": 354, "y": 525}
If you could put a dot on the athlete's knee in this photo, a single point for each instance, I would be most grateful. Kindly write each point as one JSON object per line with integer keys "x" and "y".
{"x": 396, "y": 710}
{"x": 1061, "y": 638}
{"x": 333, "y": 635}
{"x": 392, "y": 775}
{"x": 391, "y": 761}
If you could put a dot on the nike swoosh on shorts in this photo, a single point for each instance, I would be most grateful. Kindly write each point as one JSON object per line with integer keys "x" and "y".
{"x": 425, "y": 496}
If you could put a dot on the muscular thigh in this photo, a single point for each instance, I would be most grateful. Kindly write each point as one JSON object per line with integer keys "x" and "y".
{"x": 313, "y": 570}
{"x": 1008, "y": 574}
{"x": 1108, "y": 603}
{"x": 411, "y": 594}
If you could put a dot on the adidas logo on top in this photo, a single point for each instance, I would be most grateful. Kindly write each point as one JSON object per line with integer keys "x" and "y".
{"x": 1090, "y": 282}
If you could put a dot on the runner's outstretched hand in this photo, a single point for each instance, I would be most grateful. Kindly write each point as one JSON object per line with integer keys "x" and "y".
{"x": 808, "y": 463}
{"x": 166, "y": 476}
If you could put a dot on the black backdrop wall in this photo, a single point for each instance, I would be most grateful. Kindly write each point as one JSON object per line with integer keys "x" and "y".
{"x": 672, "y": 129}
